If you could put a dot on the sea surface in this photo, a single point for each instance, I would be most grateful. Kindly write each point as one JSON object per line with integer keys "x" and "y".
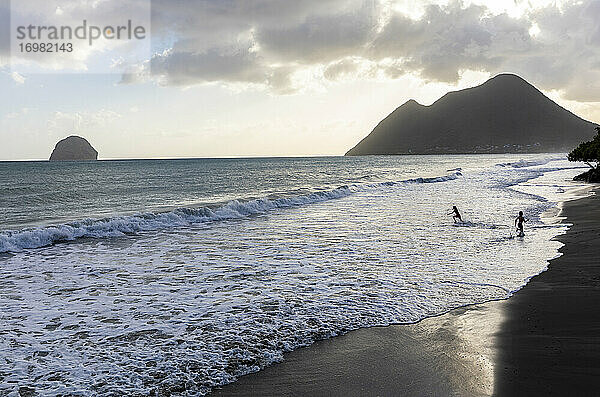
{"x": 171, "y": 277}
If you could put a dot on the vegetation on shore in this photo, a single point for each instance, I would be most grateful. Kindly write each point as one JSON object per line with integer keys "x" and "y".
{"x": 589, "y": 153}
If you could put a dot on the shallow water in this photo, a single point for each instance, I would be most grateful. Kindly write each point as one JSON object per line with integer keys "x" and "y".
{"x": 144, "y": 276}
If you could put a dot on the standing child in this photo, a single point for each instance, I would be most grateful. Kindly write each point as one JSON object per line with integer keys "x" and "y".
{"x": 456, "y": 216}
{"x": 519, "y": 224}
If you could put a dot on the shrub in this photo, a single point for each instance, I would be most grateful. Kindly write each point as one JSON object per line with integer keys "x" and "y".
{"x": 588, "y": 152}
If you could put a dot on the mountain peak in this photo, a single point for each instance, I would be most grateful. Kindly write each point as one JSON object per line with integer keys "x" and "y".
{"x": 508, "y": 76}
{"x": 411, "y": 103}
{"x": 507, "y": 79}
{"x": 506, "y": 114}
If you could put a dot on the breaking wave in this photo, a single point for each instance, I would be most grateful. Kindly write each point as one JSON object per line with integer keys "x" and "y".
{"x": 16, "y": 241}
{"x": 530, "y": 163}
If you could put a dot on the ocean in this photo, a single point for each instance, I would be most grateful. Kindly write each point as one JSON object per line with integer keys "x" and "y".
{"x": 176, "y": 276}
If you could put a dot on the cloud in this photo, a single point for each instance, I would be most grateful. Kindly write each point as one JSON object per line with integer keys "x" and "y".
{"x": 65, "y": 122}
{"x": 261, "y": 43}
{"x": 320, "y": 38}
{"x": 337, "y": 70}
{"x": 23, "y": 112}
{"x": 226, "y": 65}
{"x": 360, "y": 68}
{"x": 566, "y": 56}
{"x": 84, "y": 56}
{"x": 4, "y": 31}
{"x": 268, "y": 43}
{"x": 17, "y": 78}
{"x": 275, "y": 45}
{"x": 449, "y": 39}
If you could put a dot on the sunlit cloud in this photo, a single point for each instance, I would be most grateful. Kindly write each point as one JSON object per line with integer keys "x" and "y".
{"x": 17, "y": 77}
{"x": 370, "y": 39}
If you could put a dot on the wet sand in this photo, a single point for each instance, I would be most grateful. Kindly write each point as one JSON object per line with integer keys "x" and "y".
{"x": 545, "y": 340}
{"x": 549, "y": 343}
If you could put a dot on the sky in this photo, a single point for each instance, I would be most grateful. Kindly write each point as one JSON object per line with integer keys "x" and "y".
{"x": 222, "y": 78}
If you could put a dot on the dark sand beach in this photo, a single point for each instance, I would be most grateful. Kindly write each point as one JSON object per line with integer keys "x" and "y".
{"x": 545, "y": 340}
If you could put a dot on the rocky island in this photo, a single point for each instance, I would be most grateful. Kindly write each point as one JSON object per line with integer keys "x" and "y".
{"x": 505, "y": 114}
{"x": 73, "y": 148}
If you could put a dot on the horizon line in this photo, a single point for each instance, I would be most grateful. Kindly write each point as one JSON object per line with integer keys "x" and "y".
{"x": 175, "y": 158}
{"x": 266, "y": 157}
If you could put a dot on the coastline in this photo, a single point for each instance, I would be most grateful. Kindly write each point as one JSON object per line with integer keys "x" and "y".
{"x": 549, "y": 343}
{"x": 543, "y": 340}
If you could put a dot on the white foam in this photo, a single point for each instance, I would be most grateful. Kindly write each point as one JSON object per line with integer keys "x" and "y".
{"x": 531, "y": 163}
{"x": 16, "y": 241}
{"x": 196, "y": 307}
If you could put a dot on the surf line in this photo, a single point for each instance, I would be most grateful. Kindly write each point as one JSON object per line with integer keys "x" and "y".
{"x": 476, "y": 284}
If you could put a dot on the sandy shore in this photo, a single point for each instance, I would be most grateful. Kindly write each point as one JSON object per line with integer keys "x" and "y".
{"x": 545, "y": 340}
{"x": 550, "y": 340}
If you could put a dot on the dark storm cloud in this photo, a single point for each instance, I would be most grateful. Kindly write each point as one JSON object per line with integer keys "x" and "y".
{"x": 265, "y": 42}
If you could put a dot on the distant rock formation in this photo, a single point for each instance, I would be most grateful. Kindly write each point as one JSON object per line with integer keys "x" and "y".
{"x": 73, "y": 148}
{"x": 506, "y": 114}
